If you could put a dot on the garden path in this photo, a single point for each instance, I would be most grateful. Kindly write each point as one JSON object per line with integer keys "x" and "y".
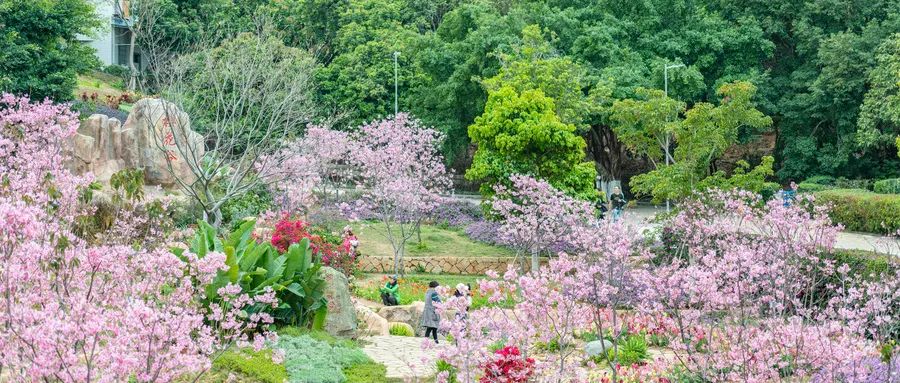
{"x": 404, "y": 357}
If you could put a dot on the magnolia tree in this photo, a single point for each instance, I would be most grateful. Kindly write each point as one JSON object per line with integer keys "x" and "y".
{"x": 537, "y": 218}
{"x": 73, "y": 312}
{"x": 401, "y": 173}
{"x": 737, "y": 290}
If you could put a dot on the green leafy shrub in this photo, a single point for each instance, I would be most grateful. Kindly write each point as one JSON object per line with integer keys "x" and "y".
{"x": 888, "y": 186}
{"x": 632, "y": 350}
{"x": 308, "y": 360}
{"x": 256, "y": 266}
{"x": 820, "y": 180}
{"x": 401, "y": 329}
{"x": 443, "y": 365}
{"x": 768, "y": 190}
{"x": 369, "y": 372}
{"x": 255, "y": 365}
{"x": 249, "y": 204}
{"x": 807, "y": 187}
{"x": 861, "y": 210}
{"x": 844, "y": 183}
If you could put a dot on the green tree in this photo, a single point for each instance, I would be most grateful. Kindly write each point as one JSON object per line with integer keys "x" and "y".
{"x": 646, "y": 124}
{"x": 40, "y": 54}
{"x": 701, "y": 137}
{"x": 879, "y": 119}
{"x": 520, "y": 133}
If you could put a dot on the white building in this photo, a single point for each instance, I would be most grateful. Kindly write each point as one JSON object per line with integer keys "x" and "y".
{"x": 112, "y": 39}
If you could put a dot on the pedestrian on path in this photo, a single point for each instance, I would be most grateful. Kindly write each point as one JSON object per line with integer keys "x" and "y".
{"x": 601, "y": 206}
{"x": 618, "y": 202}
{"x": 789, "y": 193}
{"x": 430, "y": 319}
{"x": 389, "y": 292}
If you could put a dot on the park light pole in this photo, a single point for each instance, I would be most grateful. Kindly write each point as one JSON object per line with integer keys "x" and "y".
{"x": 396, "y": 55}
{"x": 666, "y": 68}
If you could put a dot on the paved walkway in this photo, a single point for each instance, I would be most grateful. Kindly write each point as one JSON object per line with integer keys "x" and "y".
{"x": 403, "y": 356}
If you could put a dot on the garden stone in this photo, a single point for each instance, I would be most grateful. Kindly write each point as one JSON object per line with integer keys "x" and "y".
{"x": 370, "y": 323}
{"x": 410, "y": 314}
{"x": 596, "y": 347}
{"x": 341, "y": 318}
{"x": 104, "y": 145}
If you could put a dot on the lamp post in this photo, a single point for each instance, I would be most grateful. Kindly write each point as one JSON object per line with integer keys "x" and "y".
{"x": 396, "y": 110}
{"x": 666, "y": 68}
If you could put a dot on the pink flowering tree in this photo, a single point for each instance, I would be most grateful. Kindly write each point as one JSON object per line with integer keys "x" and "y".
{"x": 73, "y": 312}
{"x": 401, "y": 174}
{"x": 311, "y": 166}
{"x": 536, "y": 218}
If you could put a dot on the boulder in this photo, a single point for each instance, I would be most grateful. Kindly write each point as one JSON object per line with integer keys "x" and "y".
{"x": 596, "y": 347}
{"x": 410, "y": 314}
{"x": 156, "y": 135}
{"x": 341, "y": 318}
{"x": 370, "y": 323}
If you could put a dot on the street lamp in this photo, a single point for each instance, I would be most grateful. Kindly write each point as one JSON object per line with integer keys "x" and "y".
{"x": 396, "y": 55}
{"x": 666, "y": 68}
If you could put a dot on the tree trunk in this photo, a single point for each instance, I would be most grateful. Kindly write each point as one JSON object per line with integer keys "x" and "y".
{"x": 607, "y": 152}
{"x": 535, "y": 264}
{"x": 132, "y": 82}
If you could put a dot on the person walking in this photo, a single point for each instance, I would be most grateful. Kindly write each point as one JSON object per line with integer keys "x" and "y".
{"x": 389, "y": 292}
{"x": 601, "y": 206}
{"x": 789, "y": 193}
{"x": 617, "y": 200}
{"x": 468, "y": 297}
{"x": 430, "y": 319}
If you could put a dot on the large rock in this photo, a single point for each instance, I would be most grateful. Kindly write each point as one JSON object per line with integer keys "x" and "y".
{"x": 370, "y": 323}
{"x": 156, "y": 137}
{"x": 410, "y": 314}
{"x": 597, "y": 347}
{"x": 341, "y": 318}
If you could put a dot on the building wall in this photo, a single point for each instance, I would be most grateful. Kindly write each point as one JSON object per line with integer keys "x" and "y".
{"x": 103, "y": 40}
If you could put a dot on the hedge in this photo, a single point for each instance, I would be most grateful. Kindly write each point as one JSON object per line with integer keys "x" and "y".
{"x": 807, "y": 187}
{"x": 820, "y": 180}
{"x": 861, "y": 210}
{"x": 888, "y": 186}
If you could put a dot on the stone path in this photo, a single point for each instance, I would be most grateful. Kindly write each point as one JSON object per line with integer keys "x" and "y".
{"x": 403, "y": 356}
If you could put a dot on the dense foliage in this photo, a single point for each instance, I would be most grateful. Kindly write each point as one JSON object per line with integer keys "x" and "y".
{"x": 40, "y": 54}
{"x": 862, "y": 210}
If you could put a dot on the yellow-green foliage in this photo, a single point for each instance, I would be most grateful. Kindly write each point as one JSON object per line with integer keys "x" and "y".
{"x": 401, "y": 329}
{"x": 369, "y": 372}
{"x": 255, "y": 366}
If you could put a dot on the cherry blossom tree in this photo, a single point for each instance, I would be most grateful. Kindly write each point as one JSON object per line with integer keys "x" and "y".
{"x": 312, "y": 164}
{"x": 401, "y": 174}
{"x": 73, "y": 312}
{"x": 537, "y": 218}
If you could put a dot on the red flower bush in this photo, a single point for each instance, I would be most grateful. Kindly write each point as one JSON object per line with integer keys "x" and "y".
{"x": 509, "y": 367}
{"x": 288, "y": 232}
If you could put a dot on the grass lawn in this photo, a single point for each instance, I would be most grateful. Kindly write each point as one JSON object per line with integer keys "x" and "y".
{"x": 413, "y": 286}
{"x": 436, "y": 242}
{"x": 101, "y": 83}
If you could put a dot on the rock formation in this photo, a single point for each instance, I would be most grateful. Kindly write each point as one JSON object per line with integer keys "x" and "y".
{"x": 341, "y": 317}
{"x": 153, "y": 138}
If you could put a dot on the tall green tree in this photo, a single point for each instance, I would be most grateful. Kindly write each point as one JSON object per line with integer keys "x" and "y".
{"x": 879, "y": 119}
{"x": 40, "y": 54}
{"x": 520, "y": 133}
{"x": 701, "y": 136}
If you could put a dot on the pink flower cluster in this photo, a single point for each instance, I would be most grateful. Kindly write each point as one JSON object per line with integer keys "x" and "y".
{"x": 73, "y": 312}
{"x": 735, "y": 295}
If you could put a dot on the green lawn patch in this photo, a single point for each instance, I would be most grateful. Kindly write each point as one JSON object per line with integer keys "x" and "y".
{"x": 436, "y": 242}
{"x": 369, "y": 372}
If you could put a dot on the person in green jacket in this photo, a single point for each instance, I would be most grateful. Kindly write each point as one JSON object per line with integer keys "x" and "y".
{"x": 389, "y": 292}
